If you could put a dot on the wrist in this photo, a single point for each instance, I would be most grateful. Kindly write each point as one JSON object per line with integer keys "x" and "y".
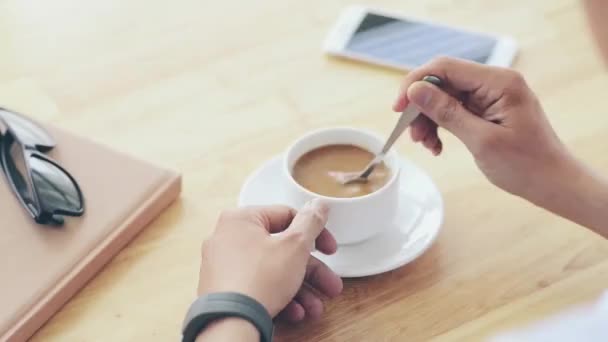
{"x": 229, "y": 329}
{"x": 217, "y": 307}
{"x": 557, "y": 182}
{"x": 575, "y": 192}
{"x": 256, "y": 294}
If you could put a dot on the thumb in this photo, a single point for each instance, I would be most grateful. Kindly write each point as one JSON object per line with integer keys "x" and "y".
{"x": 310, "y": 220}
{"x": 445, "y": 110}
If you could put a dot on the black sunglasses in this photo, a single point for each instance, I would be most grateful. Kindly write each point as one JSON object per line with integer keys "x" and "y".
{"x": 45, "y": 189}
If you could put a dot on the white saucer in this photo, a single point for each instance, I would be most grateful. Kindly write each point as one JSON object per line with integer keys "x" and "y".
{"x": 411, "y": 233}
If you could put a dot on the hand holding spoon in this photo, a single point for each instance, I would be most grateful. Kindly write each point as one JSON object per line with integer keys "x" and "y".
{"x": 407, "y": 117}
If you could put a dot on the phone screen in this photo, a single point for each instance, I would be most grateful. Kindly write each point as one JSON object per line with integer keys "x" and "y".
{"x": 411, "y": 43}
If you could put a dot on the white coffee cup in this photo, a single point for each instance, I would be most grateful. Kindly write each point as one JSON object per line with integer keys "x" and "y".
{"x": 351, "y": 220}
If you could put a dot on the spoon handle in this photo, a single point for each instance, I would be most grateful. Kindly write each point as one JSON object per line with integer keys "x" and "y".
{"x": 409, "y": 114}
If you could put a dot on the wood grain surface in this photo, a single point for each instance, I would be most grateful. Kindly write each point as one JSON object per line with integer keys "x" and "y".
{"x": 214, "y": 88}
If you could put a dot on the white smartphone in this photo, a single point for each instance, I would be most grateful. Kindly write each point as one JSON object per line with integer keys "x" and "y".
{"x": 375, "y": 36}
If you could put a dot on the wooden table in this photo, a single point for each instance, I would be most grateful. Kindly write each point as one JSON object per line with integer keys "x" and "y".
{"x": 213, "y": 88}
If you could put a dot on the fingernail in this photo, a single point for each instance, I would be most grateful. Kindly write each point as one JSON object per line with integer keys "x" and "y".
{"x": 319, "y": 206}
{"x": 421, "y": 94}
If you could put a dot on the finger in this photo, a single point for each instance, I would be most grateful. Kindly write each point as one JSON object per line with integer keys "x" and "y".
{"x": 426, "y": 131}
{"x": 326, "y": 243}
{"x": 431, "y": 138}
{"x": 431, "y": 141}
{"x": 313, "y": 306}
{"x": 294, "y": 312}
{"x": 322, "y": 278}
{"x": 274, "y": 218}
{"x": 438, "y": 148}
{"x": 401, "y": 101}
{"x": 446, "y": 111}
{"x": 457, "y": 74}
{"x": 310, "y": 221}
{"x": 420, "y": 127}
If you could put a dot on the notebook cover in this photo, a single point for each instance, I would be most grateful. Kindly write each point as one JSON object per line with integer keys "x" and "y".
{"x": 41, "y": 268}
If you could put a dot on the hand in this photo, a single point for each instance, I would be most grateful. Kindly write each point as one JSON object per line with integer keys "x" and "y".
{"x": 495, "y": 114}
{"x": 277, "y": 270}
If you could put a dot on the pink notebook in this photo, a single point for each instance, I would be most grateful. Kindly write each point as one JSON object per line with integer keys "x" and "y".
{"x": 41, "y": 268}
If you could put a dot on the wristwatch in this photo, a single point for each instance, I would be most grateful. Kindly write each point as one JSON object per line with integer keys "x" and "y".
{"x": 214, "y": 306}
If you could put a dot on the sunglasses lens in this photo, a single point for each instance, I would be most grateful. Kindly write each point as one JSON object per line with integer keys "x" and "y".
{"x": 27, "y": 131}
{"x": 16, "y": 169}
{"x": 56, "y": 190}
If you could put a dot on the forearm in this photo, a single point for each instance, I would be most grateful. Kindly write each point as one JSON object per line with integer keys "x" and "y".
{"x": 577, "y": 193}
{"x": 230, "y": 329}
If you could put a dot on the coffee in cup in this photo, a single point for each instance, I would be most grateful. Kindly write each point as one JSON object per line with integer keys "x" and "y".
{"x": 319, "y": 171}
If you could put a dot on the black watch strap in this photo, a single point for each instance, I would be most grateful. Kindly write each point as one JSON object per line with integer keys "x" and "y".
{"x": 215, "y": 306}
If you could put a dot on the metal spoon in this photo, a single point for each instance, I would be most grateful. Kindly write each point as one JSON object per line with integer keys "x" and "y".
{"x": 407, "y": 117}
